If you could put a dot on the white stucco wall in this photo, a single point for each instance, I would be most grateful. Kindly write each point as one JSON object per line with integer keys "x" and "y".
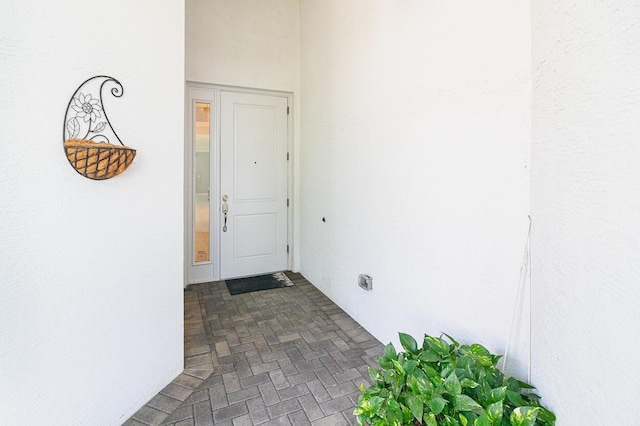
{"x": 585, "y": 204}
{"x": 90, "y": 272}
{"x": 244, "y": 43}
{"x": 252, "y": 44}
{"x": 415, "y": 141}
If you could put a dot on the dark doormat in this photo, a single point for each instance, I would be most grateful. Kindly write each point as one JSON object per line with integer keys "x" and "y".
{"x": 261, "y": 282}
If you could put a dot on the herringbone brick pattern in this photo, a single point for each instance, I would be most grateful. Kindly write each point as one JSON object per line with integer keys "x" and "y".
{"x": 287, "y": 356}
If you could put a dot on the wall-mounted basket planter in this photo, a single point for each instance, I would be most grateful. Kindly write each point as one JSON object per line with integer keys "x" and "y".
{"x": 98, "y": 160}
{"x": 87, "y": 132}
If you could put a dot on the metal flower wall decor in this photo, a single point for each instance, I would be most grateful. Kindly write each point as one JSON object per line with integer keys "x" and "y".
{"x": 87, "y": 133}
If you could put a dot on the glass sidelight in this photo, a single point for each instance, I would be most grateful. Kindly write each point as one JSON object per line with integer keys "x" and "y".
{"x": 202, "y": 179}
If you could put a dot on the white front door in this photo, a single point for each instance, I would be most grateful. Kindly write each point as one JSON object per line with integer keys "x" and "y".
{"x": 253, "y": 184}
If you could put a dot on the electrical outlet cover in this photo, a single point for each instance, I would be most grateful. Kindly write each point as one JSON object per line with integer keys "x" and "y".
{"x": 365, "y": 281}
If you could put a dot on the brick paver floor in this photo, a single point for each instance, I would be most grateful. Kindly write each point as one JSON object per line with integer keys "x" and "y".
{"x": 287, "y": 356}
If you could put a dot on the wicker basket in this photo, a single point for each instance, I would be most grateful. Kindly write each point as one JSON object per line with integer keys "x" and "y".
{"x": 96, "y": 160}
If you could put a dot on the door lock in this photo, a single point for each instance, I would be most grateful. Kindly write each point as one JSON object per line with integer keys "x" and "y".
{"x": 225, "y": 210}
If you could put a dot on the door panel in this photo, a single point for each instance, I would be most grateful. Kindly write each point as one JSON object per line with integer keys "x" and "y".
{"x": 255, "y": 157}
{"x": 255, "y": 235}
{"x": 253, "y": 175}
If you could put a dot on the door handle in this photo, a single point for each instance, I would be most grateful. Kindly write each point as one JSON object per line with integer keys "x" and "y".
{"x": 225, "y": 210}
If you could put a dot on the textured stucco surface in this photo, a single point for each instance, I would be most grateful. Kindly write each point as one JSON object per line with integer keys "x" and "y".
{"x": 585, "y": 203}
{"x": 252, "y": 44}
{"x": 90, "y": 272}
{"x": 243, "y": 43}
{"x": 415, "y": 141}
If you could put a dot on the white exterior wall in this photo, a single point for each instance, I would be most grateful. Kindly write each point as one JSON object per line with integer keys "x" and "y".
{"x": 585, "y": 204}
{"x": 91, "y": 271}
{"x": 244, "y": 43}
{"x": 415, "y": 141}
{"x": 252, "y": 44}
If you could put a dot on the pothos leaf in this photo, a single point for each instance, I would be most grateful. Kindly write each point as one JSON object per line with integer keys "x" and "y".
{"x": 100, "y": 127}
{"x": 524, "y": 416}
{"x": 456, "y": 344}
{"x": 468, "y": 383}
{"x": 73, "y": 128}
{"x": 374, "y": 375}
{"x": 437, "y": 405}
{"x": 466, "y": 403}
{"x": 494, "y": 412}
{"x": 430, "y": 420}
{"x": 408, "y": 343}
{"x": 407, "y": 415}
{"x": 429, "y": 356}
{"x": 463, "y": 420}
{"x": 497, "y": 394}
{"x": 483, "y": 420}
{"x": 452, "y": 384}
{"x": 394, "y": 412}
{"x": 409, "y": 365}
{"x": 397, "y": 366}
{"x": 546, "y": 416}
{"x": 376, "y": 403}
{"x": 422, "y": 385}
{"x": 440, "y": 346}
{"x": 525, "y": 385}
{"x": 450, "y": 421}
{"x": 390, "y": 352}
{"x": 416, "y": 406}
{"x": 478, "y": 349}
{"x": 514, "y": 398}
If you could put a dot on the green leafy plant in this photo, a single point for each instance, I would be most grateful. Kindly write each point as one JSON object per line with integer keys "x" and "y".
{"x": 444, "y": 383}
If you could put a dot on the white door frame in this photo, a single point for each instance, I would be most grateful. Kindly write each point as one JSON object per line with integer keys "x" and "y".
{"x": 216, "y": 220}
